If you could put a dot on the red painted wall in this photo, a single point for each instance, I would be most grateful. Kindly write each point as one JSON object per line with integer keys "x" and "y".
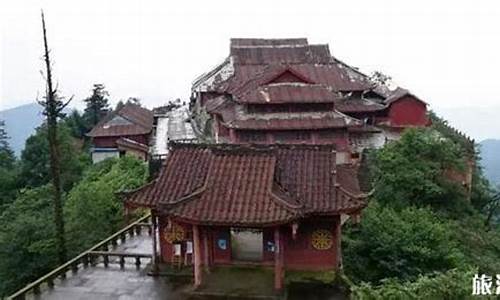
{"x": 299, "y": 252}
{"x": 408, "y": 111}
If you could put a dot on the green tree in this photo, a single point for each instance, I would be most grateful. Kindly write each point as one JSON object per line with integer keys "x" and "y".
{"x": 93, "y": 210}
{"x": 34, "y": 162}
{"x": 76, "y": 124}
{"x": 27, "y": 245}
{"x": 97, "y": 105}
{"x": 413, "y": 171}
{"x": 7, "y": 158}
{"x": 403, "y": 244}
{"x": 8, "y": 169}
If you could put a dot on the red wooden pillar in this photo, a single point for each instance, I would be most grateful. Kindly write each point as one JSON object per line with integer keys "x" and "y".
{"x": 197, "y": 256}
{"x": 278, "y": 260}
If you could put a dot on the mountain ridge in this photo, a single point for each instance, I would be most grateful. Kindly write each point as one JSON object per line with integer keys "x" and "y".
{"x": 20, "y": 123}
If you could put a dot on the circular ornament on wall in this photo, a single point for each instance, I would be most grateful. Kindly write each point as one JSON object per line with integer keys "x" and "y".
{"x": 322, "y": 239}
{"x": 174, "y": 234}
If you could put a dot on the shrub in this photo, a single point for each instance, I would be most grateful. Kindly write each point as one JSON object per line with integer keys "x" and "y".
{"x": 399, "y": 244}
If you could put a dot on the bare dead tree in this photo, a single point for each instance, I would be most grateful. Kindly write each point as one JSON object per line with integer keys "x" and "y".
{"x": 53, "y": 107}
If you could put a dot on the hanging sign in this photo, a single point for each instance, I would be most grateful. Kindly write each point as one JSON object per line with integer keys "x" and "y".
{"x": 222, "y": 244}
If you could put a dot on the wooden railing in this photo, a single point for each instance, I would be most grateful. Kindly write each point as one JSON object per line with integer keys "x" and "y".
{"x": 91, "y": 256}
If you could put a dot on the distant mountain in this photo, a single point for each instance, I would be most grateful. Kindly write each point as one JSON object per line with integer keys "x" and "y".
{"x": 490, "y": 154}
{"x": 20, "y": 123}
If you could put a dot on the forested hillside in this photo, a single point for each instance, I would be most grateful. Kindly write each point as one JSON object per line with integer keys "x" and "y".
{"x": 91, "y": 208}
{"x": 420, "y": 236}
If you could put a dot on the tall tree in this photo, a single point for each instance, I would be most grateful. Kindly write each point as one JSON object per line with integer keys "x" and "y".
{"x": 8, "y": 170}
{"x": 7, "y": 157}
{"x": 53, "y": 107}
{"x": 97, "y": 105}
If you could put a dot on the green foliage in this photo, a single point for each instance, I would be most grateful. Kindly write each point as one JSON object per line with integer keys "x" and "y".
{"x": 97, "y": 105}
{"x": 481, "y": 193}
{"x": 93, "y": 210}
{"x": 8, "y": 169}
{"x": 451, "y": 285}
{"x": 411, "y": 170}
{"x": 419, "y": 238}
{"x": 7, "y": 158}
{"x": 35, "y": 167}
{"x": 480, "y": 247}
{"x": 401, "y": 244}
{"x": 27, "y": 248}
{"x": 76, "y": 124}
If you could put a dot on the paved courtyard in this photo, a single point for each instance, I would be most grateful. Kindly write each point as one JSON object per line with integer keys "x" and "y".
{"x": 98, "y": 282}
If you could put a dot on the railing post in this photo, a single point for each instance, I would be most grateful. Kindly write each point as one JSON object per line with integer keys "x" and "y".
{"x": 74, "y": 267}
{"x": 122, "y": 262}
{"x": 63, "y": 273}
{"x": 50, "y": 282}
{"x": 105, "y": 259}
{"x": 86, "y": 261}
{"x": 92, "y": 259}
{"x": 123, "y": 237}
{"x": 113, "y": 243}
{"x": 137, "y": 262}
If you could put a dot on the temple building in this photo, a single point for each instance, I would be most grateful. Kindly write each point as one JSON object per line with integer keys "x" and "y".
{"x": 278, "y": 206}
{"x": 125, "y": 131}
{"x": 290, "y": 91}
{"x": 140, "y": 132}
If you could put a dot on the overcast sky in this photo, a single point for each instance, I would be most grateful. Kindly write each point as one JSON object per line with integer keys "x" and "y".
{"x": 446, "y": 52}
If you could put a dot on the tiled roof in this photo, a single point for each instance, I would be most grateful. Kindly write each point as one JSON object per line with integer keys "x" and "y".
{"x": 248, "y": 185}
{"x": 294, "y": 121}
{"x": 124, "y": 143}
{"x": 288, "y": 93}
{"x": 139, "y": 121}
{"x": 248, "y": 42}
{"x": 358, "y": 105}
{"x": 398, "y": 94}
{"x": 234, "y": 116}
{"x": 296, "y": 54}
{"x": 334, "y": 75}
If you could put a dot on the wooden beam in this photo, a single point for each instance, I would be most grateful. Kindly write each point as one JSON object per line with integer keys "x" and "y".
{"x": 197, "y": 256}
{"x": 278, "y": 260}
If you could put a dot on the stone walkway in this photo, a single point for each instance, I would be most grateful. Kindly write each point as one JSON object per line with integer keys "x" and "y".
{"x": 98, "y": 282}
